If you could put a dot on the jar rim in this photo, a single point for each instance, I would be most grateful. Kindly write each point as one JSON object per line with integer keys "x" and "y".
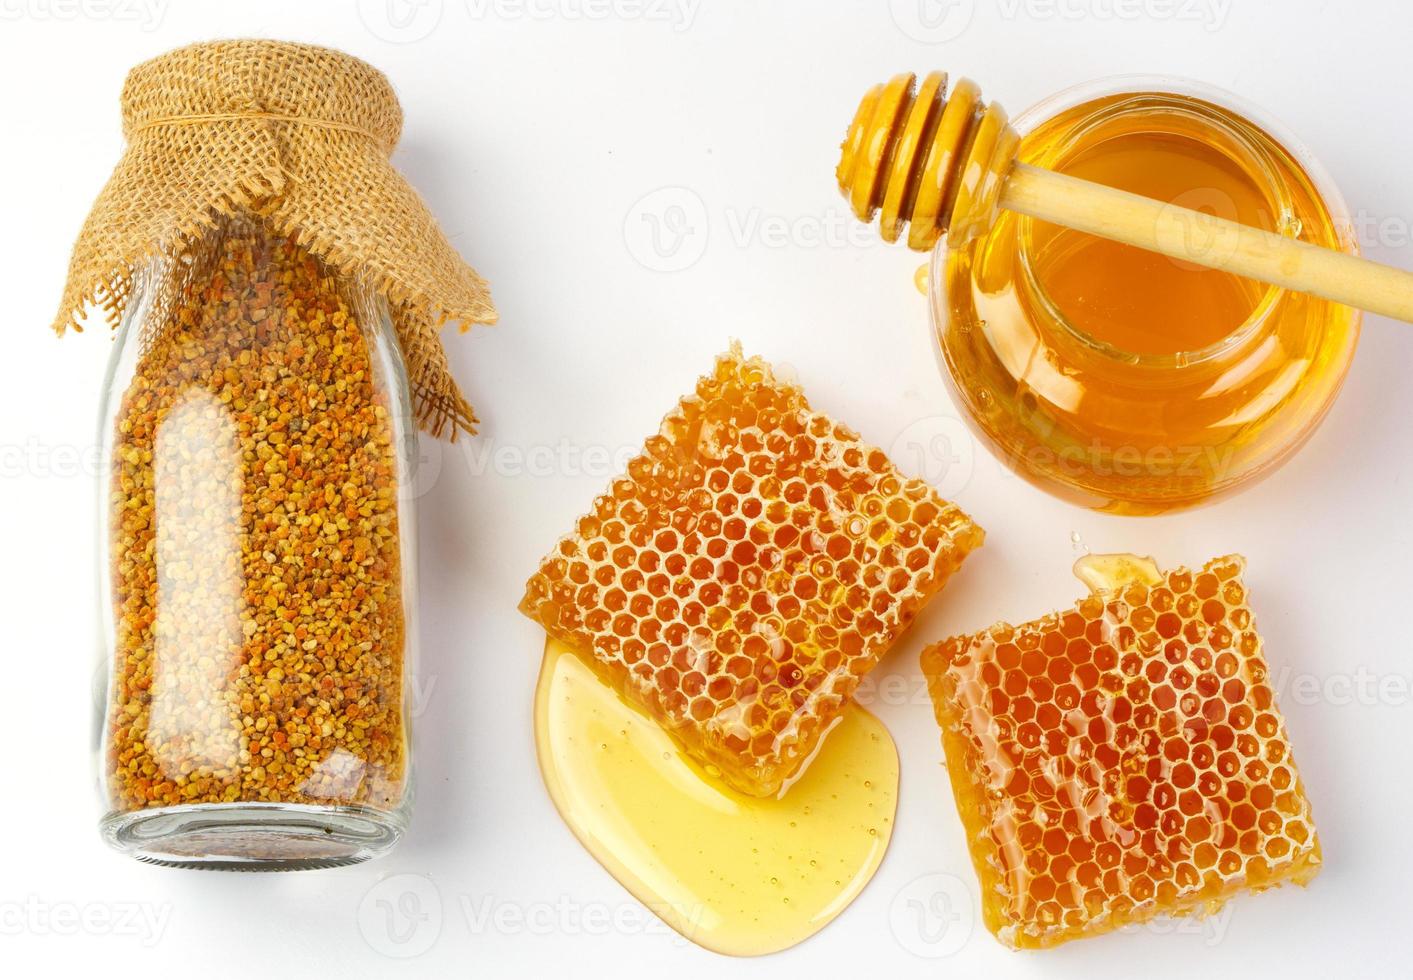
{"x": 1222, "y": 132}
{"x": 1279, "y": 133}
{"x": 1138, "y": 85}
{"x": 1217, "y": 130}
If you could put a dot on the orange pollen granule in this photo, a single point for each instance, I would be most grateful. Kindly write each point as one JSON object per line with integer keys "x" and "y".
{"x": 256, "y": 559}
{"x": 1121, "y": 760}
{"x": 754, "y": 563}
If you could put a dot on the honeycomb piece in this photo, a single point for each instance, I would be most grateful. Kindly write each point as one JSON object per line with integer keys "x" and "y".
{"x": 753, "y": 564}
{"x": 1121, "y": 760}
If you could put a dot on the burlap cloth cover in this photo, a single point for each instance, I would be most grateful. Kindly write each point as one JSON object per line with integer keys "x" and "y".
{"x": 301, "y": 136}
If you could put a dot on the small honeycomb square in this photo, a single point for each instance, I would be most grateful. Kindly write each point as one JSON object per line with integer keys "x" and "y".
{"x": 1121, "y": 760}
{"x": 752, "y": 565}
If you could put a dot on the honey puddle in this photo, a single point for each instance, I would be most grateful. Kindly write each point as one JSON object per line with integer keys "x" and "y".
{"x": 732, "y": 873}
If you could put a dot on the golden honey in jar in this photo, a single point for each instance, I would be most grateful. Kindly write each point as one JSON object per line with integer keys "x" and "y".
{"x": 1122, "y": 379}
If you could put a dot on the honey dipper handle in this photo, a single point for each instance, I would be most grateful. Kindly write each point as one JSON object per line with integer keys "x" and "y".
{"x": 1208, "y": 240}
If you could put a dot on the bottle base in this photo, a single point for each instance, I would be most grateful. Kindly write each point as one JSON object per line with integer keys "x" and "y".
{"x": 253, "y": 836}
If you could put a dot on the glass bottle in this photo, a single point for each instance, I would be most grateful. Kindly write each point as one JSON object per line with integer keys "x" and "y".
{"x": 257, "y": 573}
{"x": 1120, "y": 379}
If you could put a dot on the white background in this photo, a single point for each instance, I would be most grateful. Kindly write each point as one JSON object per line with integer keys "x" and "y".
{"x": 536, "y": 132}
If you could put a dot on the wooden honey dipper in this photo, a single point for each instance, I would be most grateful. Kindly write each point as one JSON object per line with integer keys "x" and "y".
{"x": 947, "y": 164}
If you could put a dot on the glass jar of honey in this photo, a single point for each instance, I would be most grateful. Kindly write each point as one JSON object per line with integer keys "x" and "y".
{"x": 1121, "y": 379}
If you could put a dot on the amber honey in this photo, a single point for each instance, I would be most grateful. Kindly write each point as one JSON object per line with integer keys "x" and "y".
{"x": 735, "y": 873}
{"x": 710, "y": 618}
{"x": 1122, "y": 379}
{"x": 1122, "y": 759}
{"x": 753, "y": 564}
